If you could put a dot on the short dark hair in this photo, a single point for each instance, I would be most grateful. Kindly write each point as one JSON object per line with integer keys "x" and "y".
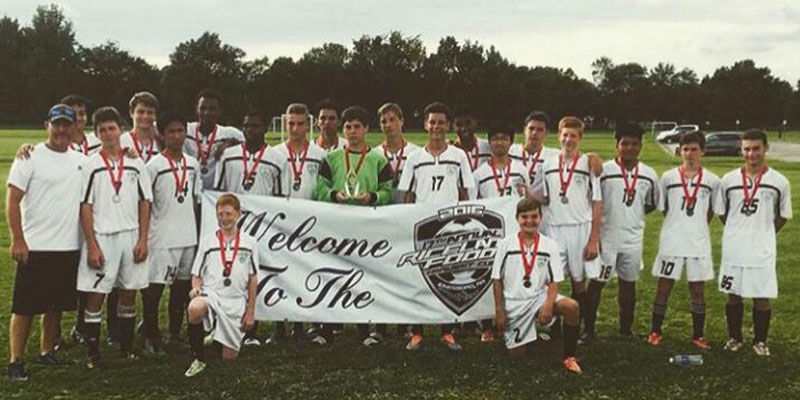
{"x": 755, "y": 134}
{"x": 326, "y": 104}
{"x": 355, "y": 113}
{"x": 209, "y": 94}
{"x": 436, "y": 107}
{"x": 463, "y": 111}
{"x": 169, "y": 116}
{"x": 500, "y": 128}
{"x": 74, "y": 100}
{"x": 106, "y": 114}
{"x": 528, "y": 204}
{"x": 698, "y": 137}
{"x": 629, "y": 130}
{"x": 540, "y": 116}
{"x": 252, "y": 112}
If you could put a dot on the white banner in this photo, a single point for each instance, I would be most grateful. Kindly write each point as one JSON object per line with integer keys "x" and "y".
{"x": 407, "y": 263}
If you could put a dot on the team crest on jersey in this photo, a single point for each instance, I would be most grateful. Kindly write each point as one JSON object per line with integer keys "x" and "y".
{"x": 454, "y": 251}
{"x": 452, "y": 170}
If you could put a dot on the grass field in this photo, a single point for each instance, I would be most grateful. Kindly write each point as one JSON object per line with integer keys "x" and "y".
{"x": 613, "y": 369}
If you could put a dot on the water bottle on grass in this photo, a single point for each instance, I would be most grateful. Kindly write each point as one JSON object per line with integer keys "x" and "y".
{"x": 686, "y": 360}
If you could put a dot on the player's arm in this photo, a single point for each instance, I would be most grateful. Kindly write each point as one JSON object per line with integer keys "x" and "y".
{"x": 383, "y": 195}
{"x": 249, "y": 317}
{"x": 95, "y": 256}
{"x": 324, "y": 190}
{"x": 19, "y": 248}
{"x": 595, "y": 164}
{"x": 779, "y": 223}
{"x": 463, "y": 194}
{"x": 223, "y": 145}
{"x": 197, "y": 286}
{"x": 546, "y": 313}
{"x": 592, "y": 247}
{"x": 140, "y": 250}
{"x": 24, "y": 151}
{"x": 499, "y": 305}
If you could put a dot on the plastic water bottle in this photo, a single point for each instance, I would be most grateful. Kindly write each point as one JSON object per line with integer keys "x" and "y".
{"x": 686, "y": 360}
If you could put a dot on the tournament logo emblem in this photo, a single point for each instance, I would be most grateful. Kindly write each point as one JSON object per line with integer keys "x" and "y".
{"x": 454, "y": 251}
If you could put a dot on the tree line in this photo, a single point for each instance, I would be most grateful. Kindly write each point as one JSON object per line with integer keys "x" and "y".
{"x": 41, "y": 62}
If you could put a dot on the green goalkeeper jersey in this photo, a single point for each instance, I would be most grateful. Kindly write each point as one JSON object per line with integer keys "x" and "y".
{"x": 374, "y": 177}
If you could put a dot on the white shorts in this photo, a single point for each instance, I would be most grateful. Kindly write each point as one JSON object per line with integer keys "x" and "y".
{"x": 522, "y": 315}
{"x": 624, "y": 264}
{"x": 166, "y": 265}
{"x": 749, "y": 282}
{"x": 573, "y": 239}
{"x": 698, "y": 269}
{"x": 119, "y": 269}
{"x": 224, "y": 316}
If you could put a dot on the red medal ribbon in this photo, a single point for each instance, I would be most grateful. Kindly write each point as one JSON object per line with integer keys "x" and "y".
{"x": 476, "y": 155}
{"x": 398, "y": 158}
{"x": 526, "y": 155}
{"x": 250, "y": 172}
{"x": 501, "y": 189}
{"x": 690, "y": 199}
{"x": 202, "y": 154}
{"x": 82, "y": 146}
{"x": 630, "y": 187}
{"x": 528, "y": 266}
{"x": 347, "y": 160}
{"x": 297, "y": 173}
{"x": 179, "y": 182}
{"x": 227, "y": 266}
{"x": 748, "y": 196}
{"x": 565, "y": 183}
{"x": 115, "y": 181}
{"x": 145, "y": 153}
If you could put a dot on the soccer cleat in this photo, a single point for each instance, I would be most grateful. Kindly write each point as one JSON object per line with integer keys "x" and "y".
{"x": 655, "y": 338}
{"x": 209, "y": 339}
{"x": 320, "y": 340}
{"x": 408, "y": 335}
{"x": 586, "y": 339}
{"x": 487, "y": 336}
{"x": 49, "y": 360}
{"x": 275, "y": 338}
{"x": 195, "y": 368}
{"x": 628, "y": 335}
{"x": 414, "y": 343}
{"x": 153, "y": 346}
{"x": 701, "y": 343}
{"x": 571, "y": 365}
{"x": 252, "y": 341}
{"x": 59, "y": 344}
{"x": 733, "y": 345}
{"x": 450, "y": 341}
{"x": 16, "y": 372}
{"x": 761, "y": 349}
{"x": 370, "y": 341}
{"x": 297, "y": 336}
{"x": 93, "y": 362}
{"x": 76, "y": 336}
{"x": 129, "y": 355}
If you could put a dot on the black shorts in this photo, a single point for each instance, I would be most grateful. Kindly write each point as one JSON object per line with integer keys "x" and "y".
{"x": 47, "y": 282}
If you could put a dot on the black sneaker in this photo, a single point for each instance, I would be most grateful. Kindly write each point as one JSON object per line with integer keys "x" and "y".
{"x": 16, "y": 372}
{"x": 627, "y": 334}
{"x": 76, "y": 336}
{"x": 586, "y": 339}
{"x": 93, "y": 362}
{"x": 275, "y": 338}
{"x": 50, "y": 360}
{"x": 129, "y": 354}
{"x": 153, "y": 346}
{"x": 59, "y": 344}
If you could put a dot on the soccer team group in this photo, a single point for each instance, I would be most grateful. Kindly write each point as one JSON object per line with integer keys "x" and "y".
{"x": 99, "y": 217}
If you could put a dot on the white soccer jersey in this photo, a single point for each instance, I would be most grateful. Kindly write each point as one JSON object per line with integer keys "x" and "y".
{"x": 209, "y": 267}
{"x": 91, "y": 144}
{"x": 285, "y": 165}
{"x": 748, "y": 239}
{"x": 239, "y": 171}
{"x": 130, "y": 141}
{"x": 623, "y": 215}
{"x": 501, "y": 181}
{"x": 219, "y": 134}
{"x": 479, "y": 154}
{"x": 50, "y": 208}
{"x": 397, "y": 160}
{"x": 115, "y": 210}
{"x": 583, "y": 189}
{"x": 508, "y": 266}
{"x": 437, "y": 180}
{"x": 340, "y": 143}
{"x": 533, "y": 163}
{"x": 172, "y": 219}
{"x": 685, "y": 230}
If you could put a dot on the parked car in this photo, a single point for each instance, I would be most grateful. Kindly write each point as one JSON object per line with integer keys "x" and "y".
{"x": 674, "y": 135}
{"x": 727, "y": 143}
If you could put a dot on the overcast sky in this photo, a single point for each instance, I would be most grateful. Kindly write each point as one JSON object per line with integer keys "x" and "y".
{"x": 701, "y": 35}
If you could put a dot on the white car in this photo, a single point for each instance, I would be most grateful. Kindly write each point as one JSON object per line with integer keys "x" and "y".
{"x": 673, "y": 135}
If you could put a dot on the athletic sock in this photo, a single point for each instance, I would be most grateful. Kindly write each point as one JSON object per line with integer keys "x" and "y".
{"x": 734, "y": 313}
{"x": 659, "y": 312}
{"x": 126, "y": 321}
{"x": 592, "y": 298}
{"x": 570, "y": 340}
{"x": 80, "y": 322}
{"x": 761, "y": 319}
{"x": 92, "y": 332}
{"x": 627, "y": 305}
{"x": 196, "y": 335}
{"x": 178, "y": 302}
{"x": 112, "y": 323}
{"x": 583, "y": 305}
{"x": 150, "y": 316}
{"x": 698, "y": 320}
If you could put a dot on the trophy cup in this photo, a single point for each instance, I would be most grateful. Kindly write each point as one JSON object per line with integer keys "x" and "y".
{"x": 351, "y": 186}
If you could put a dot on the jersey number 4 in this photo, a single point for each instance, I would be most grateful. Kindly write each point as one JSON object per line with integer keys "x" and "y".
{"x": 436, "y": 183}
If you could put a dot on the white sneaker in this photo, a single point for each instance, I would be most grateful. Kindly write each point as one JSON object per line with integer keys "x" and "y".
{"x": 320, "y": 340}
{"x": 733, "y": 345}
{"x": 371, "y": 341}
{"x": 761, "y": 349}
{"x": 251, "y": 341}
{"x": 194, "y": 369}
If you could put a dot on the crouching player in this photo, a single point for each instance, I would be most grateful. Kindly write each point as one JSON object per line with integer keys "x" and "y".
{"x": 223, "y": 286}
{"x": 526, "y": 273}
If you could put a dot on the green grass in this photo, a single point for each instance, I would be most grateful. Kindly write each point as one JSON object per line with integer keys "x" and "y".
{"x": 614, "y": 369}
